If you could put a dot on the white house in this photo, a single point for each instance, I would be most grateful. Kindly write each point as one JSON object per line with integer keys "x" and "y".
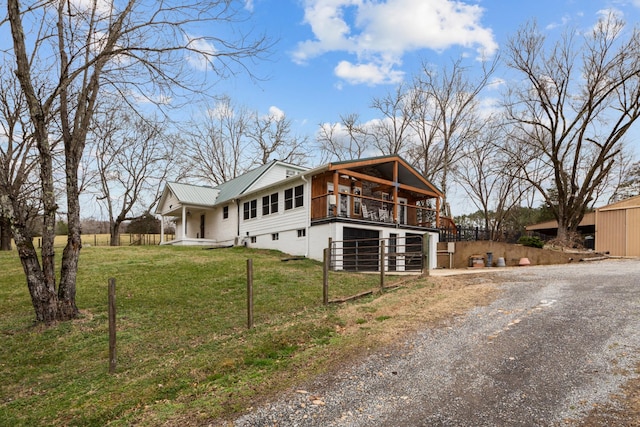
{"x": 297, "y": 210}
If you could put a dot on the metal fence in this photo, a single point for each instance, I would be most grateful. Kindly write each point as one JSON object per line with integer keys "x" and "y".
{"x": 472, "y": 234}
{"x": 464, "y": 234}
{"x": 394, "y": 254}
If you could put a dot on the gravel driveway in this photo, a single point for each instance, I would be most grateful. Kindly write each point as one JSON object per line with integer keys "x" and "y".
{"x": 557, "y": 341}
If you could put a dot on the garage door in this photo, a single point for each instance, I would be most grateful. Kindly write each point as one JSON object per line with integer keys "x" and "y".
{"x": 360, "y": 249}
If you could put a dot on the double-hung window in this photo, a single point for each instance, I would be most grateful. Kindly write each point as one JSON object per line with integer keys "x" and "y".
{"x": 250, "y": 209}
{"x": 270, "y": 204}
{"x": 294, "y": 197}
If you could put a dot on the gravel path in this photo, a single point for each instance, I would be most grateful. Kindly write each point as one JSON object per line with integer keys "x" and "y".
{"x": 558, "y": 340}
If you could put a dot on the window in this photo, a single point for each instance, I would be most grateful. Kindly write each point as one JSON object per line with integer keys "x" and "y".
{"x": 225, "y": 212}
{"x": 294, "y": 197}
{"x": 253, "y": 239}
{"x": 270, "y": 204}
{"x": 302, "y": 232}
{"x": 288, "y": 199}
{"x": 250, "y": 209}
{"x": 299, "y": 190}
{"x": 275, "y": 236}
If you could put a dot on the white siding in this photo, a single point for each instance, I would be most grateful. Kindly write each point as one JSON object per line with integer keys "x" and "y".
{"x": 274, "y": 175}
{"x": 225, "y": 230}
{"x": 284, "y": 223}
{"x": 172, "y": 201}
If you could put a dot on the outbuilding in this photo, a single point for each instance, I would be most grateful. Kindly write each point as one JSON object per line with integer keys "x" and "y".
{"x": 618, "y": 228}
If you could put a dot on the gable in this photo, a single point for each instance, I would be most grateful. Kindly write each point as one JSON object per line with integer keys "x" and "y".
{"x": 384, "y": 167}
{"x": 255, "y": 179}
{"x": 630, "y": 203}
{"x": 176, "y": 195}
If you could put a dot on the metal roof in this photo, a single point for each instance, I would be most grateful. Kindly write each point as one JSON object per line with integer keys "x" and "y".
{"x": 193, "y": 194}
{"x": 231, "y": 189}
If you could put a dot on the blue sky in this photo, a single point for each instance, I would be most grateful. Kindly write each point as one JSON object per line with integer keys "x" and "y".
{"x": 334, "y": 56}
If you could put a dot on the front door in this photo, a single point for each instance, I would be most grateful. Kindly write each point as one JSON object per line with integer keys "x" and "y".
{"x": 202, "y": 226}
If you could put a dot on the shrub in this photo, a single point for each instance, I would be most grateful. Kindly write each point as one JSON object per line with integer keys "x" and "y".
{"x": 532, "y": 241}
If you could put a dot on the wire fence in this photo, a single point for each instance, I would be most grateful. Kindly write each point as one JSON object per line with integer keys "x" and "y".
{"x": 125, "y": 239}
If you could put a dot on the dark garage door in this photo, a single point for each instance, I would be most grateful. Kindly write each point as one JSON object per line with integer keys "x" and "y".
{"x": 360, "y": 249}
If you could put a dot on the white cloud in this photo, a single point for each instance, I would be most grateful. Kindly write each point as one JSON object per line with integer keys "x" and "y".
{"x": 379, "y": 33}
{"x": 369, "y": 73}
{"x": 564, "y": 21}
{"x": 276, "y": 113}
{"x": 200, "y": 53}
{"x": 248, "y": 5}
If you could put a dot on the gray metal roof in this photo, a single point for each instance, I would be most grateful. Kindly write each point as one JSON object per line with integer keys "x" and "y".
{"x": 234, "y": 188}
{"x": 194, "y": 194}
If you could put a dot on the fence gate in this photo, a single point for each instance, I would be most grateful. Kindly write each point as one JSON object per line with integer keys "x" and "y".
{"x": 396, "y": 253}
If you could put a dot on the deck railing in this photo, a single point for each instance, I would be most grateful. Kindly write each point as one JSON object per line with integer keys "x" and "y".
{"x": 373, "y": 209}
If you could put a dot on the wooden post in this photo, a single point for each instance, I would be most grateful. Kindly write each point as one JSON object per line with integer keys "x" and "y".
{"x": 112, "y": 325}
{"x": 425, "y": 254}
{"x": 382, "y": 256}
{"x": 249, "y": 293}
{"x": 325, "y": 276}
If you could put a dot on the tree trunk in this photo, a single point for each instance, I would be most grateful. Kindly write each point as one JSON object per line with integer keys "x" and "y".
{"x": 71, "y": 254}
{"x": 563, "y": 232}
{"x": 43, "y": 294}
{"x": 5, "y": 235}
{"x": 114, "y": 233}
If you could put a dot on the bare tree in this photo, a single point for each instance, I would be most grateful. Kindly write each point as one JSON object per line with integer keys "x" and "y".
{"x": 578, "y": 98}
{"x": 271, "y": 136}
{"x": 629, "y": 184}
{"x": 446, "y": 116}
{"x": 345, "y": 140}
{"x": 76, "y": 49}
{"x": 132, "y": 157}
{"x": 488, "y": 176}
{"x": 216, "y": 146}
{"x": 390, "y": 133}
{"x": 18, "y": 162}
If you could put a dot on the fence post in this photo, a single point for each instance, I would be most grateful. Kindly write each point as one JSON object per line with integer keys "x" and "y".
{"x": 325, "y": 275}
{"x": 249, "y": 293}
{"x": 382, "y": 256}
{"x": 425, "y": 254}
{"x": 112, "y": 325}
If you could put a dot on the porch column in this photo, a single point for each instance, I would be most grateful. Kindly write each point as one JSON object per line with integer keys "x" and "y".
{"x": 437, "y": 212}
{"x": 336, "y": 192}
{"x": 184, "y": 222}
{"x": 161, "y": 229}
{"x": 395, "y": 192}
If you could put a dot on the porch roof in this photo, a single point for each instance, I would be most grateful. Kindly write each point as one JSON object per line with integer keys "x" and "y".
{"x": 383, "y": 167}
{"x": 187, "y": 194}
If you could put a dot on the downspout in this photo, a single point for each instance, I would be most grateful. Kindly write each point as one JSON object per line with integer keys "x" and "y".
{"x": 308, "y": 220}
{"x": 237, "y": 217}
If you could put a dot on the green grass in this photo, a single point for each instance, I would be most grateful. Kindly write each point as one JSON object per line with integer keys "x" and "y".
{"x": 184, "y": 351}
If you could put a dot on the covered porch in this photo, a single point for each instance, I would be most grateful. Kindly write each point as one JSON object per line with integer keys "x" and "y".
{"x": 379, "y": 191}
{"x": 191, "y": 208}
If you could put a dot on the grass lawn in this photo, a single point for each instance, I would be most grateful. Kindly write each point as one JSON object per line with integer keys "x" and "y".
{"x": 184, "y": 353}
